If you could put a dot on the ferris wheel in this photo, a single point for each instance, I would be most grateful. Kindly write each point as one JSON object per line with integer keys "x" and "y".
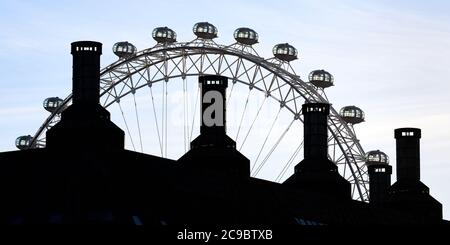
{"x": 153, "y": 95}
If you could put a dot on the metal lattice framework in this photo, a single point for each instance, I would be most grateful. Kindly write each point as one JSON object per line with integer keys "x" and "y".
{"x": 242, "y": 65}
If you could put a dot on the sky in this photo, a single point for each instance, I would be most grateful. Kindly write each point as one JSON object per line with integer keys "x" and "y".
{"x": 390, "y": 58}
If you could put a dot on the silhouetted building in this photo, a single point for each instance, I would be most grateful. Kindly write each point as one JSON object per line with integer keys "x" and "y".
{"x": 85, "y": 175}
{"x": 316, "y": 173}
{"x": 409, "y": 193}
{"x": 213, "y": 150}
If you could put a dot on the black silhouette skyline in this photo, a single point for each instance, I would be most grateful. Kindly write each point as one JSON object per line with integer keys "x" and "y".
{"x": 378, "y": 51}
{"x": 84, "y": 174}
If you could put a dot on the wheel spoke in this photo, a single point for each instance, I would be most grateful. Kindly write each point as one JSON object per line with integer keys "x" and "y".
{"x": 289, "y": 162}
{"x": 165, "y": 119}
{"x": 261, "y": 165}
{"x": 197, "y": 98}
{"x": 156, "y": 121}
{"x": 126, "y": 125}
{"x": 253, "y": 122}
{"x": 231, "y": 92}
{"x": 242, "y": 116}
{"x": 184, "y": 116}
{"x": 265, "y": 141}
{"x": 138, "y": 123}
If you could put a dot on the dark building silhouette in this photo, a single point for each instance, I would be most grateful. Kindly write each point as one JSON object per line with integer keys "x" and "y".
{"x": 85, "y": 175}
{"x": 213, "y": 150}
{"x": 316, "y": 173}
{"x": 409, "y": 193}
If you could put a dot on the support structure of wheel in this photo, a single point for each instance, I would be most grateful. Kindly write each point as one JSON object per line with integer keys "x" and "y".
{"x": 164, "y": 75}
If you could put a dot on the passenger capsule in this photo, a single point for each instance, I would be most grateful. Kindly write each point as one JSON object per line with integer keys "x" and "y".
{"x": 52, "y": 103}
{"x": 246, "y": 36}
{"x": 164, "y": 35}
{"x": 376, "y": 158}
{"x": 321, "y": 78}
{"x": 352, "y": 114}
{"x": 23, "y": 142}
{"x": 124, "y": 49}
{"x": 285, "y": 52}
{"x": 205, "y": 30}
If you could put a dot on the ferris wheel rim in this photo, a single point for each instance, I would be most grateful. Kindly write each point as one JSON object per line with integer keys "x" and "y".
{"x": 213, "y": 48}
{"x": 174, "y": 46}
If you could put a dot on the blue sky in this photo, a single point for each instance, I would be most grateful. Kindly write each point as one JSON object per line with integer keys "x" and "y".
{"x": 390, "y": 58}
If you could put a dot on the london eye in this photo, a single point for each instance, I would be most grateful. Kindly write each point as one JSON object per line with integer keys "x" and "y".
{"x": 153, "y": 95}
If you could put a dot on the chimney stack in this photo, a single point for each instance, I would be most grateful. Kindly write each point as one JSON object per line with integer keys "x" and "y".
{"x": 213, "y": 151}
{"x": 408, "y": 154}
{"x": 316, "y": 173}
{"x": 85, "y": 123}
{"x": 409, "y": 194}
{"x": 213, "y": 113}
{"x": 315, "y": 130}
{"x": 86, "y": 72}
{"x": 213, "y": 109}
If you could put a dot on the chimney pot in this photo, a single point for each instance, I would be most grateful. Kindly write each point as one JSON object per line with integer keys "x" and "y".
{"x": 86, "y": 72}
{"x": 213, "y": 116}
{"x": 316, "y": 129}
{"x": 408, "y": 153}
